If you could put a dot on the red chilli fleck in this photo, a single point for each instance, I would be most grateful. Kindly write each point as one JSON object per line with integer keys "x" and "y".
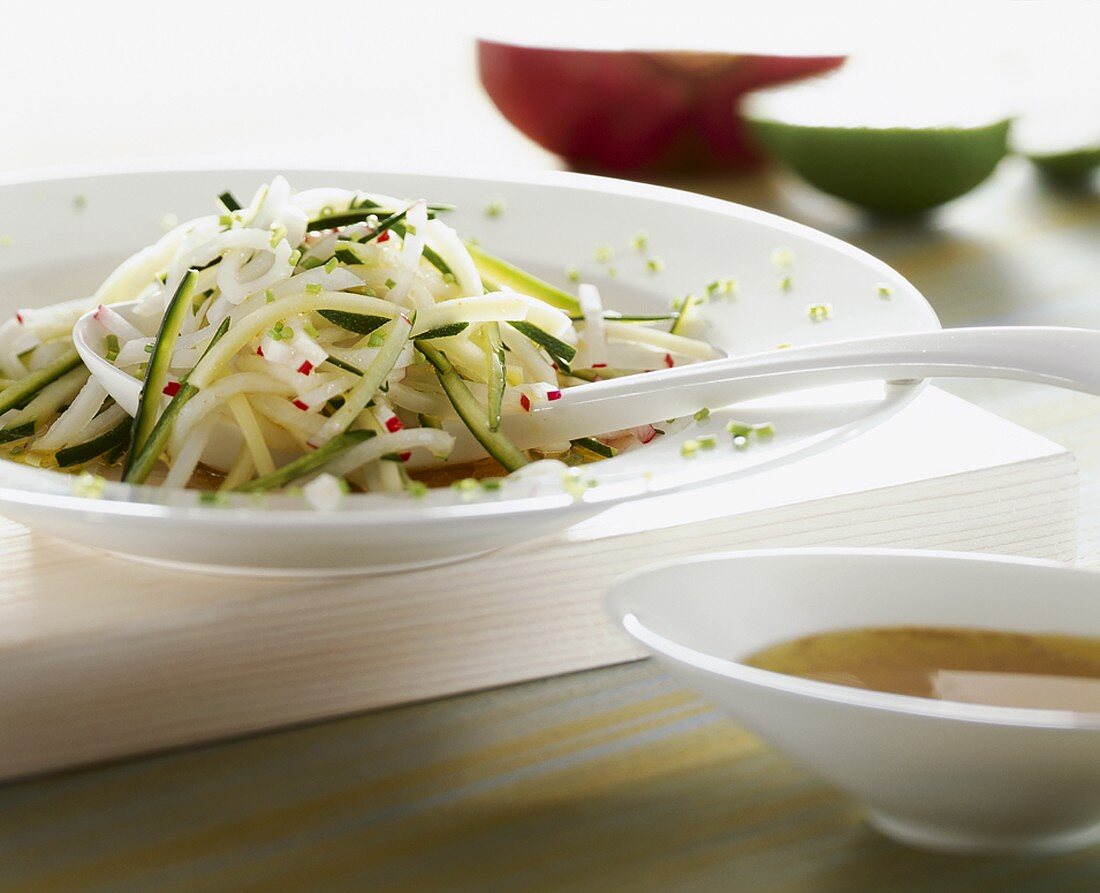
{"x": 555, "y": 394}
{"x": 525, "y": 402}
{"x": 301, "y": 405}
{"x": 669, "y": 361}
{"x": 306, "y": 367}
{"x": 259, "y": 351}
{"x": 172, "y": 388}
{"x": 599, "y": 365}
{"x": 19, "y": 316}
{"x": 385, "y": 237}
{"x": 393, "y": 424}
{"x": 404, "y": 457}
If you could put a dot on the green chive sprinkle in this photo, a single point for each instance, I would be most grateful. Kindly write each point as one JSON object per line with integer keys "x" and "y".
{"x": 702, "y": 415}
{"x": 390, "y": 283}
{"x": 819, "y": 312}
{"x": 269, "y": 296}
{"x": 782, "y": 257}
{"x": 766, "y": 429}
{"x": 572, "y": 273}
{"x": 416, "y": 489}
{"x": 604, "y": 253}
{"x": 640, "y": 241}
{"x": 708, "y": 442}
{"x": 654, "y": 264}
{"x": 295, "y": 256}
{"x": 786, "y": 283}
{"x": 689, "y": 448}
{"x": 495, "y": 207}
{"x": 738, "y": 429}
{"x": 314, "y": 288}
{"x": 883, "y": 290}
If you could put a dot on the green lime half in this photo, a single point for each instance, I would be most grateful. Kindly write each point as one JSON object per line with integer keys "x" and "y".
{"x": 1062, "y": 143}
{"x": 898, "y": 158}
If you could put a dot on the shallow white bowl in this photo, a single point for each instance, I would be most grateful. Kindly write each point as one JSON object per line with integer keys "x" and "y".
{"x": 61, "y": 251}
{"x": 945, "y": 776}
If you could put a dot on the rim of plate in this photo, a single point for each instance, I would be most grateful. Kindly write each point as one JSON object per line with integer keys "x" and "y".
{"x": 42, "y": 488}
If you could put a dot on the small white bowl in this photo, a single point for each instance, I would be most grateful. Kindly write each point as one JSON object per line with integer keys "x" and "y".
{"x": 933, "y": 774}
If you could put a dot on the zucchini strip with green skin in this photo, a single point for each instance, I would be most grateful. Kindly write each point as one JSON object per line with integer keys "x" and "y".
{"x": 347, "y": 367}
{"x": 51, "y": 398}
{"x": 79, "y": 453}
{"x": 631, "y": 317}
{"x": 561, "y": 352}
{"x": 230, "y": 203}
{"x": 18, "y": 395}
{"x": 369, "y": 207}
{"x": 303, "y": 465}
{"x": 496, "y": 373}
{"x": 602, "y": 373}
{"x": 140, "y": 462}
{"x": 498, "y": 274}
{"x": 361, "y": 213}
{"x": 156, "y": 371}
{"x": 358, "y": 323}
{"x": 471, "y": 412}
{"x": 680, "y": 322}
{"x": 595, "y": 447}
{"x": 17, "y": 432}
{"x": 454, "y": 328}
{"x": 363, "y": 391}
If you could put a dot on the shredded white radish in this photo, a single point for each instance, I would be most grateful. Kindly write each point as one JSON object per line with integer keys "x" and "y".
{"x": 593, "y": 350}
{"x": 74, "y": 419}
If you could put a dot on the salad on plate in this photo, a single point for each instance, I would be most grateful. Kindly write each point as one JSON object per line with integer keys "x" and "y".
{"x": 335, "y": 338}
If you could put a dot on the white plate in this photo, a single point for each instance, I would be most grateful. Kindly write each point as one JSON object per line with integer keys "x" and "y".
{"x": 67, "y": 232}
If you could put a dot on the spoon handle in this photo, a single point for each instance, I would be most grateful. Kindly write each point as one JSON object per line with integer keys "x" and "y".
{"x": 1066, "y": 357}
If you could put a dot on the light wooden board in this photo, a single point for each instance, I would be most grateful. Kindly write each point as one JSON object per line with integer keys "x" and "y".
{"x": 116, "y": 658}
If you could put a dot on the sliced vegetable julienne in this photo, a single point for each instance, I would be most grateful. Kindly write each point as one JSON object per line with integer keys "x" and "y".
{"x": 604, "y": 372}
{"x": 358, "y": 323}
{"x": 497, "y": 274}
{"x": 23, "y": 391}
{"x": 595, "y": 447}
{"x": 689, "y": 303}
{"x": 347, "y": 367}
{"x": 50, "y": 399}
{"x": 261, "y": 460}
{"x": 495, "y": 373}
{"x": 364, "y": 390}
{"x": 471, "y": 412}
{"x": 435, "y": 441}
{"x": 640, "y": 318}
{"x": 81, "y": 453}
{"x": 145, "y": 457}
{"x": 677, "y": 344}
{"x": 310, "y": 462}
{"x": 445, "y": 331}
{"x": 479, "y": 308}
{"x": 17, "y": 432}
{"x": 230, "y": 203}
{"x": 256, "y": 323}
{"x": 561, "y": 352}
{"x": 74, "y": 419}
{"x": 156, "y": 370}
{"x": 354, "y": 215}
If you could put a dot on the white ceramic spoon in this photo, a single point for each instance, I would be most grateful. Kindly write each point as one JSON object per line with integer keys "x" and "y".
{"x": 1068, "y": 358}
